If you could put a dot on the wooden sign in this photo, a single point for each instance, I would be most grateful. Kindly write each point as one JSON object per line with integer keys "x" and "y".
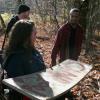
{"x": 50, "y": 83}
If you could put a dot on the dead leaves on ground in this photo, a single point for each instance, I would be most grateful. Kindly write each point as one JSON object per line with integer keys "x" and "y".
{"x": 89, "y": 87}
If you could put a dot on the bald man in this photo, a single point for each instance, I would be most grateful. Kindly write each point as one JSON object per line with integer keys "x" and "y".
{"x": 69, "y": 39}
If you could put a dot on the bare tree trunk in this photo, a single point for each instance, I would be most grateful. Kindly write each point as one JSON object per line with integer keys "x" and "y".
{"x": 93, "y": 20}
{"x": 54, "y": 4}
{"x": 20, "y": 1}
{"x": 39, "y": 9}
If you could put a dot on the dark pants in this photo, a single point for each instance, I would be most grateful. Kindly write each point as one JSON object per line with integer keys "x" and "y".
{"x": 13, "y": 95}
{"x": 72, "y": 54}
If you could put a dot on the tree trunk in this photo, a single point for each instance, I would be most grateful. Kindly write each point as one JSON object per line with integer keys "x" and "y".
{"x": 55, "y": 13}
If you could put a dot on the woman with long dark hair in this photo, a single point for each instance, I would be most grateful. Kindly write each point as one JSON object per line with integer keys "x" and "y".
{"x": 22, "y": 57}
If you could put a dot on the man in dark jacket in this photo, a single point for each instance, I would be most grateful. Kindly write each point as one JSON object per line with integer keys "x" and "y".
{"x": 69, "y": 39}
{"x": 23, "y": 13}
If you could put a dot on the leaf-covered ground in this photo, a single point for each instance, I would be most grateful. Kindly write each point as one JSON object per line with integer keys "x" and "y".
{"x": 89, "y": 87}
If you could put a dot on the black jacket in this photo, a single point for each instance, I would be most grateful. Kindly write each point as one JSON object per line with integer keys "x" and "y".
{"x": 13, "y": 20}
{"x": 23, "y": 63}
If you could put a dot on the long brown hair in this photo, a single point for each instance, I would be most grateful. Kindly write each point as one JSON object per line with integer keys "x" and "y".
{"x": 20, "y": 36}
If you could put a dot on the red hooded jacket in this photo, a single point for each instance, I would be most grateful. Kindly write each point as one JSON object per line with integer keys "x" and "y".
{"x": 60, "y": 46}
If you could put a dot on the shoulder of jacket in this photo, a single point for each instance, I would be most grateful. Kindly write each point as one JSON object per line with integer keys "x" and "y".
{"x": 14, "y": 17}
{"x": 64, "y": 26}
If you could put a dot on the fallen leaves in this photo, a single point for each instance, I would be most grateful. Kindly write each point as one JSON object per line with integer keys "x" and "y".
{"x": 89, "y": 87}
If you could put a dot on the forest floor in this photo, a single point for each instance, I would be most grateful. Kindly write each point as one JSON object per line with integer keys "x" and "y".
{"x": 89, "y": 87}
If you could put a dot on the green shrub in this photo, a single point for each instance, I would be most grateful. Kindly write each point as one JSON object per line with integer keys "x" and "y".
{"x": 6, "y": 17}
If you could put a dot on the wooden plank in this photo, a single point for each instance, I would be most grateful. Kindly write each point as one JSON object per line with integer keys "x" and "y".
{"x": 50, "y": 84}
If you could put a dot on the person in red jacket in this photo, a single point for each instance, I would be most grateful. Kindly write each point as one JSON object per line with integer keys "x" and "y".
{"x": 69, "y": 39}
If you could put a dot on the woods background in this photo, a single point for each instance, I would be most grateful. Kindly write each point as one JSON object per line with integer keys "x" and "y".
{"x": 48, "y": 16}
